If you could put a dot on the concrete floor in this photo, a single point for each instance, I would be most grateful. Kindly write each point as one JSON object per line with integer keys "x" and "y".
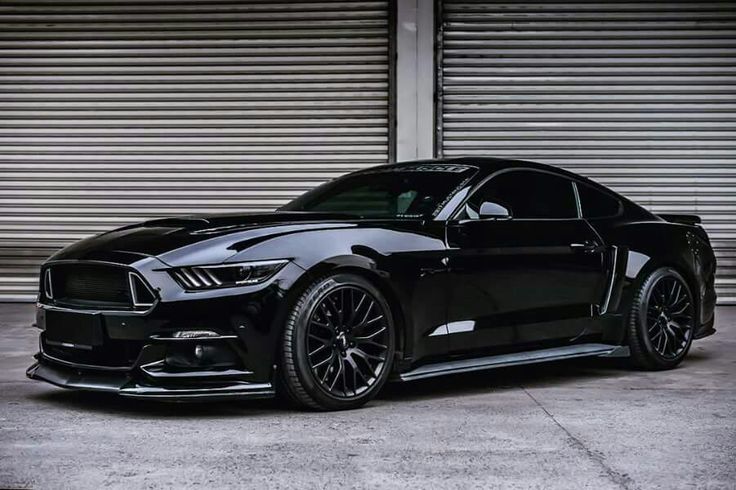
{"x": 582, "y": 424}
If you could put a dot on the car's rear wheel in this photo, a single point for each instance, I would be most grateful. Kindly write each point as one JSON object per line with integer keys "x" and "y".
{"x": 338, "y": 344}
{"x": 662, "y": 321}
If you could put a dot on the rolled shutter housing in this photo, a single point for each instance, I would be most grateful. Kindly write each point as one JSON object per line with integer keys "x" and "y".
{"x": 113, "y": 112}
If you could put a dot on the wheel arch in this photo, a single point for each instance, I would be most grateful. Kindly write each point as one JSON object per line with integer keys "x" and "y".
{"x": 365, "y": 268}
{"x": 653, "y": 264}
{"x": 681, "y": 268}
{"x": 648, "y": 247}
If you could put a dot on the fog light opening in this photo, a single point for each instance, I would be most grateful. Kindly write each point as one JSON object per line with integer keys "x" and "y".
{"x": 205, "y": 355}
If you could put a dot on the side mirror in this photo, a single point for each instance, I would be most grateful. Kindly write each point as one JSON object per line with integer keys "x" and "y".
{"x": 492, "y": 210}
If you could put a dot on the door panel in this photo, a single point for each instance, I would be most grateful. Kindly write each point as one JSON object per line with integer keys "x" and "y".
{"x": 517, "y": 284}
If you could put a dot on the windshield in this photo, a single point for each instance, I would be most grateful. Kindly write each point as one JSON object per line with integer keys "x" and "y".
{"x": 406, "y": 191}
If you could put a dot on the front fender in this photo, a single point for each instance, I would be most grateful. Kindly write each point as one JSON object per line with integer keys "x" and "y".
{"x": 404, "y": 261}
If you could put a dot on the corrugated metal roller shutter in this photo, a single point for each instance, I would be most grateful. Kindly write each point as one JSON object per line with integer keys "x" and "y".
{"x": 640, "y": 96}
{"x": 116, "y": 111}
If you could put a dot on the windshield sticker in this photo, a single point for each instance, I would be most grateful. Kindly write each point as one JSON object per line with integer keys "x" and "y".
{"x": 427, "y": 167}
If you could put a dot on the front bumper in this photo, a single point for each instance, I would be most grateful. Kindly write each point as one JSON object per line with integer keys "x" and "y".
{"x": 155, "y": 373}
{"x": 135, "y": 354}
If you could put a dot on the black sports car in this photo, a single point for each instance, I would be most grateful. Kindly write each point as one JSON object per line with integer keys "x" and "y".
{"x": 403, "y": 271}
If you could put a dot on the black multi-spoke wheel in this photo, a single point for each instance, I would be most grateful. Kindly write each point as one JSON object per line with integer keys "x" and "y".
{"x": 662, "y": 320}
{"x": 338, "y": 344}
{"x": 669, "y": 317}
{"x": 347, "y": 341}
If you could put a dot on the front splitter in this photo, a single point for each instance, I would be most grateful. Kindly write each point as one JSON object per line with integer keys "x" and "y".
{"x": 123, "y": 385}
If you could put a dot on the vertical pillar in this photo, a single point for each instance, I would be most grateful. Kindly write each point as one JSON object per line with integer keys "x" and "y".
{"x": 414, "y": 79}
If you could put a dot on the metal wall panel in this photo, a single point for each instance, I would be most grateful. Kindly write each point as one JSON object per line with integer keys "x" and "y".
{"x": 115, "y": 111}
{"x": 640, "y": 96}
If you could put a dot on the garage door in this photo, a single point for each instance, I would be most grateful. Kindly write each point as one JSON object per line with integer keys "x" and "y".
{"x": 640, "y": 96}
{"x": 115, "y": 111}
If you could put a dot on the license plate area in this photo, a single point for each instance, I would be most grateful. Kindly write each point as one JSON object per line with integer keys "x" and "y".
{"x": 71, "y": 329}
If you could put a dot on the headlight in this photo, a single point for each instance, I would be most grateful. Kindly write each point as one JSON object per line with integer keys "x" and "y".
{"x": 226, "y": 276}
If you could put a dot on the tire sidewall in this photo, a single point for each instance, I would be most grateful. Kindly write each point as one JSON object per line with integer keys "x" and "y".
{"x": 314, "y": 297}
{"x": 641, "y": 318}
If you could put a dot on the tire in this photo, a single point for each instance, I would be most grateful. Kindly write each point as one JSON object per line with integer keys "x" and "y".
{"x": 661, "y": 322}
{"x": 338, "y": 344}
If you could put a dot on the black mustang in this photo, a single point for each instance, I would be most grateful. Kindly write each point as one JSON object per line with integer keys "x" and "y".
{"x": 406, "y": 271}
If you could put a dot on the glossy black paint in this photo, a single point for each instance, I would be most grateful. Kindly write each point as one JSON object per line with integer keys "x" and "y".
{"x": 456, "y": 287}
{"x": 520, "y": 282}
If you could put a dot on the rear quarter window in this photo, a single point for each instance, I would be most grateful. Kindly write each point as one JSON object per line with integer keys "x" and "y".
{"x": 597, "y": 204}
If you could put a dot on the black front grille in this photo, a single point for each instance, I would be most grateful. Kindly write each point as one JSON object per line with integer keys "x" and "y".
{"x": 91, "y": 285}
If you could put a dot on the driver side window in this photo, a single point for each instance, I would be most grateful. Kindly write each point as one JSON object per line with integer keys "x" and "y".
{"x": 527, "y": 194}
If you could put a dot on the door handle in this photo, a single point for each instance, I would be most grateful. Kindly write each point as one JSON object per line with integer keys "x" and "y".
{"x": 588, "y": 247}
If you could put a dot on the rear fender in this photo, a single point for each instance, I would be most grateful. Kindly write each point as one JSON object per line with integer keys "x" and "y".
{"x": 645, "y": 247}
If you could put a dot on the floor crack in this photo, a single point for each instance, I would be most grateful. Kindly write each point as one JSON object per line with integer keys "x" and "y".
{"x": 619, "y": 479}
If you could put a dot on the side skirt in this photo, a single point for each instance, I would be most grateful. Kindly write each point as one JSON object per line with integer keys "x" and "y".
{"x": 515, "y": 359}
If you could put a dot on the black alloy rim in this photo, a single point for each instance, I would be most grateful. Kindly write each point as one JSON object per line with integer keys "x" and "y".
{"x": 669, "y": 317}
{"x": 347, "y": 341}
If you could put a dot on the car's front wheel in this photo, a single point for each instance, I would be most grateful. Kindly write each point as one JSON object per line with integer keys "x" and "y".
{"x": 338, "y": 344}
{"x": 662, "y": 320}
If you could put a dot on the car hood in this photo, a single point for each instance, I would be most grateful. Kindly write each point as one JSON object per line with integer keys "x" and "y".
{"x": 199, "y": 239}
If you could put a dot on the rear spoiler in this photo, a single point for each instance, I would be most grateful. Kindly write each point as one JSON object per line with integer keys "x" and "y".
{"x": 685, "y": 219}
{"x": 688, "y": 219}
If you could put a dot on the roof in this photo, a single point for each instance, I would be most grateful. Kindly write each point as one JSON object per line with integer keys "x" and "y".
{"x": 489, "y": 165}
{"x": 486, "y": 164}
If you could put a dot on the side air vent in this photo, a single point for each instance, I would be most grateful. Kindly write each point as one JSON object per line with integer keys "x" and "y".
{"x": 140, "y": 293}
